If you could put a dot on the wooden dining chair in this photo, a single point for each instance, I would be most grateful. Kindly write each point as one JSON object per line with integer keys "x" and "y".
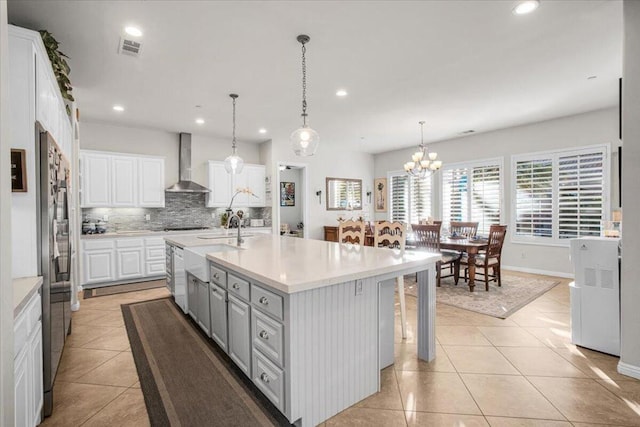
{"x": 463, "y": 229}
{"x": 351, "y": 232}
{"x": 491, "y": 258}
{"x": 427, "y": 237}
{"x": 393, "y": 235}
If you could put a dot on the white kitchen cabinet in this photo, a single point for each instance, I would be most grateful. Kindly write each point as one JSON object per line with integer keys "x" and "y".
{"x": 96, "y": 180}
{"x": 123, "y": 179}
{"x": 223, "y": 185}
{"x": 28, "y": 385}
{"x": 98, "y": 261}
{"x": 151, "y": 182}
{"x": 192, "y": 297}
{"x": 218, "y": 308}
{"x": 129, "y": 263}
{"x": 239, "y": 318}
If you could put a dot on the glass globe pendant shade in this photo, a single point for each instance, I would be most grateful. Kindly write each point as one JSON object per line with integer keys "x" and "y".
{"x": 233, "y": 164}
{"x": 304, "y": 141}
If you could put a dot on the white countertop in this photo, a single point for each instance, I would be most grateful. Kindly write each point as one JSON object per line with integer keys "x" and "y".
{"x": 203, "y": 239}
{"x": 23, "y": 289}
{"x": 294, "y": 265}
{"x": 151, "y": 233}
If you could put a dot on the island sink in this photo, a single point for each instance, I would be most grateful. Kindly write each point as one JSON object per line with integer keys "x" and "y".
{"x": 195, "y": 259}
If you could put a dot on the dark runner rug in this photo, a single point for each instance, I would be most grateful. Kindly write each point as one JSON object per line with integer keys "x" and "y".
{"x": 126, "y": 287}
{"x": 185, "y": 378}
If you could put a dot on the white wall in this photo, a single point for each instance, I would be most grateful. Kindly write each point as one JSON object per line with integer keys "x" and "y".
{"x": 24, "y": 205}
{"x": 6, "y": 288}
{"x": 630, "y": 291}
{"x": 292, "y": 215}
{"x": 134, "y": 140}
{"x": 596, "y": 127}
{"x": 329, "y": 161}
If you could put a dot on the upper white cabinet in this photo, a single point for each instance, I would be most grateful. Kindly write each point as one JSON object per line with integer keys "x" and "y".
{"x": 223, "y": 185}
{"x": 121, "y": 180}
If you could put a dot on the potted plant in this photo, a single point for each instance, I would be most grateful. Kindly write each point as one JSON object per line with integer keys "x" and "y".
{"x": 60, "y": 67}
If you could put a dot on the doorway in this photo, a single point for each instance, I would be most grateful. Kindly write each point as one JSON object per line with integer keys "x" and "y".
{"x": 291, "y": 195}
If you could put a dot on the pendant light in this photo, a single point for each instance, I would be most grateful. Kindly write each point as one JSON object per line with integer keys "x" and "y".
{"x": 234, "y": 163}
{"x": 423, "y": 162}
{"x": 304, "y": 140}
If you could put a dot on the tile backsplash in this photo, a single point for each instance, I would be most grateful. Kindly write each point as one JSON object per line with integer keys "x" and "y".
{"x": 181, "y": 210}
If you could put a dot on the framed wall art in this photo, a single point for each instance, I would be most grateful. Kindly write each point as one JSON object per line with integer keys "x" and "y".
{"x": 287, "y": 194}
{"x": 380, "y": 194}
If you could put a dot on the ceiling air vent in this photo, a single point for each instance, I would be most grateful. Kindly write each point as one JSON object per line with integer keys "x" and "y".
{"x": 129, "y": 47}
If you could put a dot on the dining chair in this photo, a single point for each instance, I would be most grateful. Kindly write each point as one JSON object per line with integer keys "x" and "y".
{"x": 351, "y": 232}
{"x": 463, "y": 229}
{"x": 490, "y": 258}
{"x": 393, "y": 235}
{"x": 427, "y": 237}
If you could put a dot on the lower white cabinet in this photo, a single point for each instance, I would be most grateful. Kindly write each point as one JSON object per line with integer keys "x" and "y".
{"x": 218, "y": 304}
{"x": 192, "y": 297}
{"x": 204, "y": 317}
{"x": 239, "y": 333}
{"x": 120, "y": 259}
{"x": 28, "y": 387}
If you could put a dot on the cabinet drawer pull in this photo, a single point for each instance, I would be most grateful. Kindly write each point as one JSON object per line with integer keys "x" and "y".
{"x": 216, "y": 276}
{"x": 264, "y": 301}
{"x": 264, "y": 377}
{"x": 235, "y": 286}
{"x": 214, "y": 289}
{"x": 264, "y": 335}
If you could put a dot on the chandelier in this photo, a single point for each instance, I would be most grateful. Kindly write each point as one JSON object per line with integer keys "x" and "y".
{"x": 234, "y": 163}
{"x": 304, "y": 140}
{"x": 423, "y": 163}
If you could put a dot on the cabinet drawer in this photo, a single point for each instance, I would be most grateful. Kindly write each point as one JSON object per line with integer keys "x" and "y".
{"x": 129, "y": 243}
{"x": 218, "y": 276}
{"x": 94, "y": 244}
{"x": 267, "y": 336}
{"x": 269, "y": 379}
{"x": 155, "y": 268}
{"x": 238, "y": 286}
{"x": 154, "y": 241}
{"x": 267, "y": 301}
{"x": 26, "y": 321}
{"x": 20, "y": 333}
{"x": 33, "y": 312}
{"x": 154, "y": 253}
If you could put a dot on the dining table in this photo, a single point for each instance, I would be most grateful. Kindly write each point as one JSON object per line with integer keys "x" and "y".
{"x": 472, "y": 249}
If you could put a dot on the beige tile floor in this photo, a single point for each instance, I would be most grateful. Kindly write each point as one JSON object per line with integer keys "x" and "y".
{"x": 522, "y": 371}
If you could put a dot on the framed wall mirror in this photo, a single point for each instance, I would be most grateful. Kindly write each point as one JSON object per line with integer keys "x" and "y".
{"x": 344, "y": 194}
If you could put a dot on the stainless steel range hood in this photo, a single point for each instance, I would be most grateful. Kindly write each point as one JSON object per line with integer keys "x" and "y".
{"x": 185, "y": 185}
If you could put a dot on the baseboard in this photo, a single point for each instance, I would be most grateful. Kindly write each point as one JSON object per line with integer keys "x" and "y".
{"x": 629, "y": 370}
{"x": 537, "y": 271}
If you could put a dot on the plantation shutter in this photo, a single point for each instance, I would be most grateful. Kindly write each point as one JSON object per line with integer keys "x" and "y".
{"x": 454, "y": 196}
{"x": 534, "y": 198}
{"x": 399, "y": 198}
{"x": 420, "y": 202}
{"x": 580, "y": 194}
{"x": 485, "y": 197}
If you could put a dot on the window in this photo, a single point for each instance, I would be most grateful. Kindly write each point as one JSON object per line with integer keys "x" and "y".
{"x": 560, "y": 195}
{"x": 410, "y": 198}
{"x": 472, "y": 192}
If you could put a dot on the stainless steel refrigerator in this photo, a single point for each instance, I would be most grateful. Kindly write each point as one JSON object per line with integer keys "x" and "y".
{"x": 55, "y": 256}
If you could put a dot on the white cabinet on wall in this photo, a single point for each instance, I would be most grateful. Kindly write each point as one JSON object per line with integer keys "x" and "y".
{"x": 121, "y": 180}
{"x": 223, "y": 185}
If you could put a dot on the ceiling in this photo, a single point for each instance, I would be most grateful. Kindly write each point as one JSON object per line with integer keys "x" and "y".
{"x": 458, "y": 65}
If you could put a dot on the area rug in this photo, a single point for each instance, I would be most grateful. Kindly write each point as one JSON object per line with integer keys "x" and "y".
{"x": 187, "y": 380}
{"x": 500, "y": 302}
{"x": 126, "y": 287}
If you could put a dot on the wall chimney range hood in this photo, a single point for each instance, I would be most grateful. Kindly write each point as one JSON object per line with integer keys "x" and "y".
{"x": 185, "y": 185}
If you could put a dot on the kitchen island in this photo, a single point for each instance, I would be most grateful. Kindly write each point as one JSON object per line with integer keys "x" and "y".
{"x": 305, "y": 319}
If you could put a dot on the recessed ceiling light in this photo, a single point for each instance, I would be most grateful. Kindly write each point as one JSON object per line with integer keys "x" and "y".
{"x": 200, "y": 121}
{"x": 118, "y": 108}
{"x": 133, "y": 31}
{"x": 525, "y": 6}
{"x": 341, "y": 93}
{"x": 262, "y": 130}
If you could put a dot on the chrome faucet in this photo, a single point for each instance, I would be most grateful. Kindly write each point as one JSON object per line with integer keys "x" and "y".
{"x": 240, "y": 239}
